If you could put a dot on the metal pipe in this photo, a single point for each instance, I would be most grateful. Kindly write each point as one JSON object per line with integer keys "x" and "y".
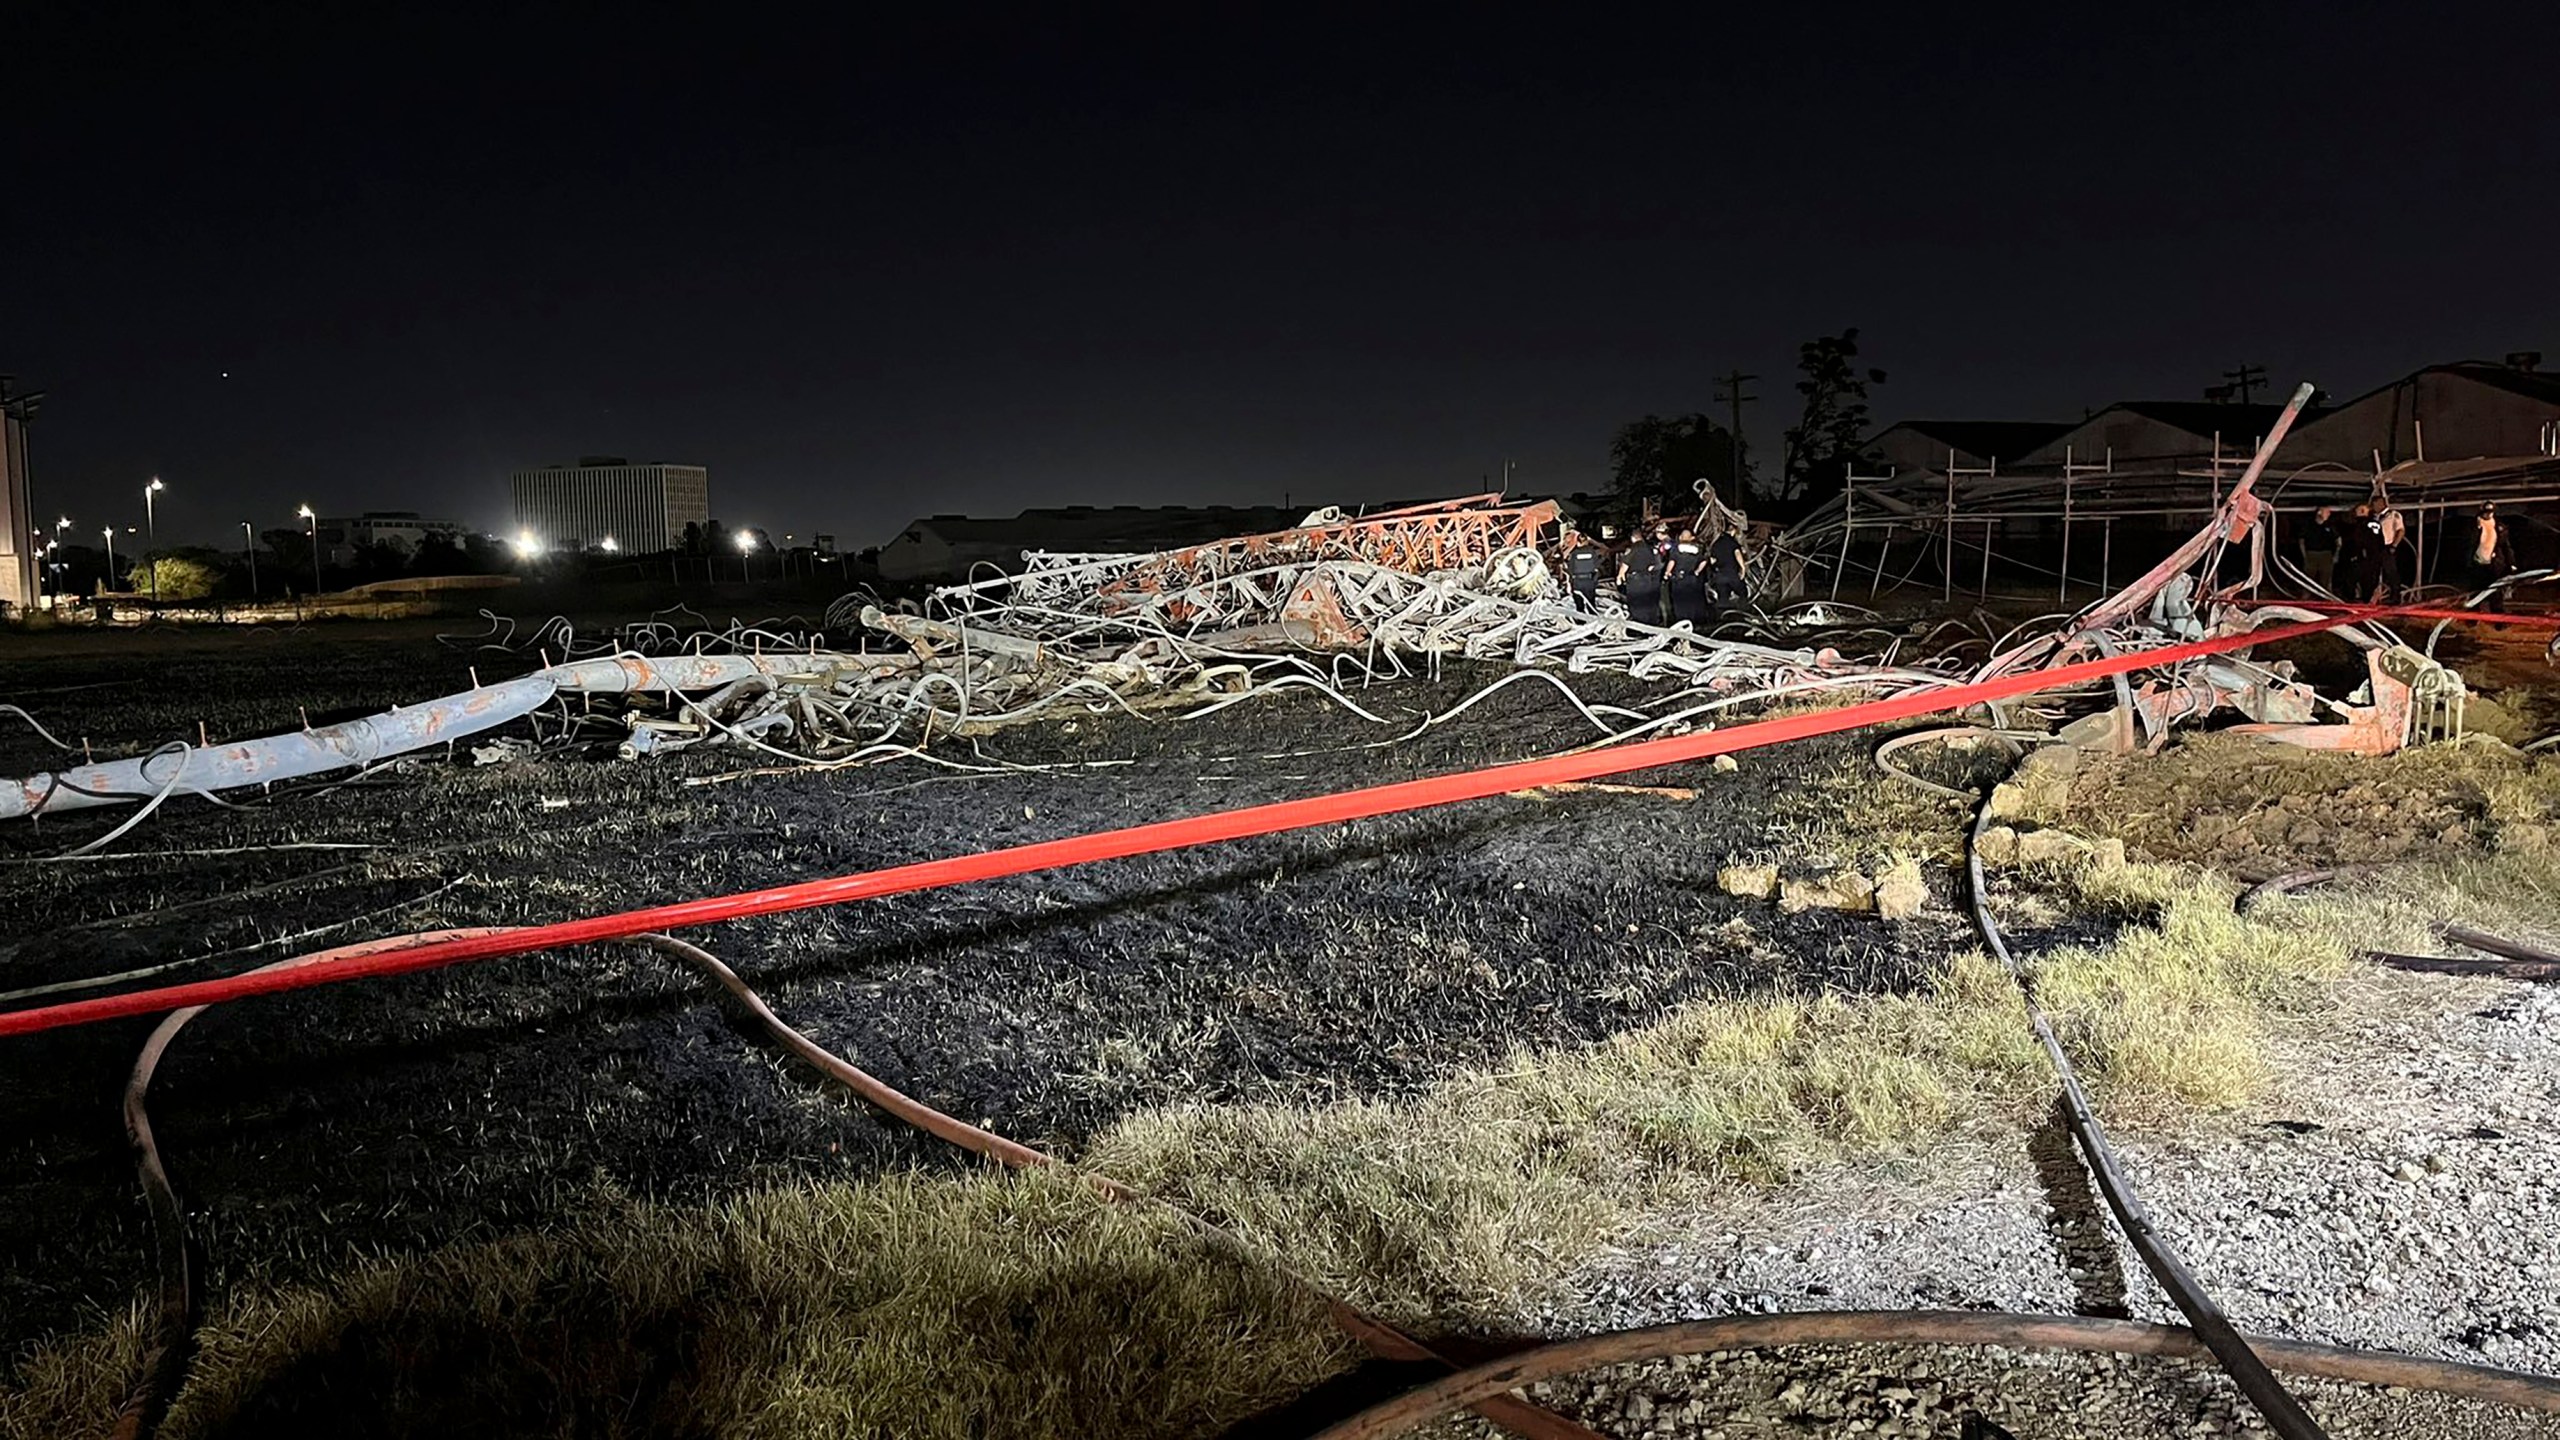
{"x": 292, "y": 756}
{"x": 353, "y": 744}
{"x": 1848, "y": 522}
{"x": 2062, "y": 589}
{"x": 1947, "y": 571}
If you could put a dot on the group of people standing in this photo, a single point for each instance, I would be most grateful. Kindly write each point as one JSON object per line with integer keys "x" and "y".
{"x": 2365, "y": 550}
{"x": 1695, "y": 578}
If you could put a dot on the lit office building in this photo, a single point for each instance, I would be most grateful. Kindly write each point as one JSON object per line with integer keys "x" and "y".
{"x": 604, "y": 499}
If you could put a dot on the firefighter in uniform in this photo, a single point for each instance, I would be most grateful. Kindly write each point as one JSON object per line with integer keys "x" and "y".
{"x": 1640, "y": 580}
{"x": 1724, "y": 568}
{"x": 1688, "y": 580}
{"x": 1583, "y": 558}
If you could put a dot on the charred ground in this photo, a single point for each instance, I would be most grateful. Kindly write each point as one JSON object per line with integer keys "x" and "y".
{"x": 1367, "y": 960}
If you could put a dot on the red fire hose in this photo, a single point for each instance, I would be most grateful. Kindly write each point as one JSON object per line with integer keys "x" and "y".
{"x": 1149, "y": 839}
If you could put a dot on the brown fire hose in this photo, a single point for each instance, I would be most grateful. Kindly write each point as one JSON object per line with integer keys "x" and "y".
{"x": 1433, "y": 1399}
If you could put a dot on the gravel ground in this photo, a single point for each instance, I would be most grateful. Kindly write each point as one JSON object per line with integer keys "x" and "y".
{"x": 2399, "y": 1192}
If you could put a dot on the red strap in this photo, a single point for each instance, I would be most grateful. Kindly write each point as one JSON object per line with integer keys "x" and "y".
{"x": 2424, "y": 612}
{"x": 1145, "y": 839}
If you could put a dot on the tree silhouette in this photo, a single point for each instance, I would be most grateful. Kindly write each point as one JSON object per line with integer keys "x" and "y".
{"x": 1834, "y": 422}
{"x": 1661, "y": 460}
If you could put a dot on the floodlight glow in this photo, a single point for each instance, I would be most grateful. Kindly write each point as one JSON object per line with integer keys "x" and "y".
{"x": 526, "y": 545}
{"x": 608, "y": 546}
{"x": 304, "y": 511}
{"x": 746, "y": 542}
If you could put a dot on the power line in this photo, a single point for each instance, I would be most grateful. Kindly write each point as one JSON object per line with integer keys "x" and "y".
{"x": 1730, "y": 394}
{"x": 2243, "y": 384}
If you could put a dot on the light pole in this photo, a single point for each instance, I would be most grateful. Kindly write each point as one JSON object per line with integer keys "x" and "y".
{"x": 110, "y": 533}
{"x": 151, "y": 534}
{"x": 249, "y": 541}
{"x": 312, "y": 522}
{"x": 746, "y": 547}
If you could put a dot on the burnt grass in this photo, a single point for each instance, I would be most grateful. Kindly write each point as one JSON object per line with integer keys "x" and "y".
{"x": 305, "y": 1130}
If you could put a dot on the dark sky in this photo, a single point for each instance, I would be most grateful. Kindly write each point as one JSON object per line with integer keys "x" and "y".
{"x": 869, "y": 270}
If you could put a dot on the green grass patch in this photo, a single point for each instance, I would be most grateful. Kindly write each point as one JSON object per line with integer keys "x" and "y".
{"x": 924, "y": 1305}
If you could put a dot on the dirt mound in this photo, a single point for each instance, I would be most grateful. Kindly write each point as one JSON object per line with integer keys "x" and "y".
{"x": 2250, "y": 807}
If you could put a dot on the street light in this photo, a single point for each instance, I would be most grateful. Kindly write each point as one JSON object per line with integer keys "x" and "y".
{"x": 313, "y": 522}
{"x": 526, "y": 544}
{"x": 746, "y": 547}
{"x": 608, "y": 546}
{"x": 151, "y": 533}
{"x": 110, "y": 533}
{"x": 249, "y": 542}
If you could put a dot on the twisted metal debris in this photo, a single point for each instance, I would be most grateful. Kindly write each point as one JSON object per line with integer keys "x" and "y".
{"x": 1329, "y": 605}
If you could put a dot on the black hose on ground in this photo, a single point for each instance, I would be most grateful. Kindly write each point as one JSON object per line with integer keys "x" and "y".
{"x": 2284, "y": 1413}
{"x": 2516, "y": 959}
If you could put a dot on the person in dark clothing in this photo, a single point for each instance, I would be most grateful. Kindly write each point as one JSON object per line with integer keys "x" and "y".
{"x": 1689, "y": 580}
{"x": 1583, "y": 559}
{"x": 1724, "y": 569}
{"x": 1640, "y": 580}
{"x": 2356, "y": 559}
{"x": 2318, "y": 542}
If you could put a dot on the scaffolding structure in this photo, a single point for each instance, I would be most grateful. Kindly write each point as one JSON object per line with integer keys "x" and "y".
{"x": 1857, "y": 533}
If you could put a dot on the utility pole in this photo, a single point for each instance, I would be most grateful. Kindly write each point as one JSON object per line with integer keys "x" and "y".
{"x": 2246, "y": 380}
{"x": 246, "y": 529}
{"x": 1729, "y": 393}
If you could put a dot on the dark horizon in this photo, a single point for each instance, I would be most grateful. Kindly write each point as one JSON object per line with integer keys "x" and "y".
{"x": 869, "y": 271}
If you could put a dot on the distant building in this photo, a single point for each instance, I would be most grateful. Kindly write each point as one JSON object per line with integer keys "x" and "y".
{"x": 2148, "y": 431}
{"x": 2470, "y": 409}
{"x": 2461, "y": 411}
{"x": 22, "y": 535}
{"x": 1973, "y": 444}
{"x": 640, "y": 508}
{"x": 402, "y": 530}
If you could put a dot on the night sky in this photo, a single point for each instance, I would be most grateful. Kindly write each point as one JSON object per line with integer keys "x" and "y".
{"x": 867, "y": 271}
